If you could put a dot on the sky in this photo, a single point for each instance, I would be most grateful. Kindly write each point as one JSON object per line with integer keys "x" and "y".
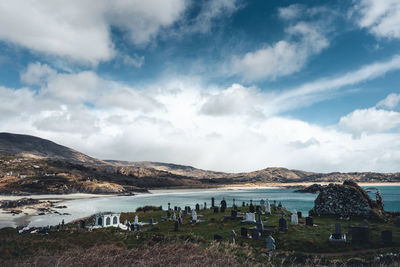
{"x": 225, "y": 85}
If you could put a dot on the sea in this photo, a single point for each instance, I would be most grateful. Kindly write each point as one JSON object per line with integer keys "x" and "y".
{"x": 291, "y": 200}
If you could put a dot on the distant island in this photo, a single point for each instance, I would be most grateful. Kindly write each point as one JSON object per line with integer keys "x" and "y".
{"x": 32, "y": 165}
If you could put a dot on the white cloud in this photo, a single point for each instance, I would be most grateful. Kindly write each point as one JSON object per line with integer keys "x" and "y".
{"x": 36, "y": 73}
{"x": 284, "y": 57}
{"x": 184, "y": 121}
{"x": 371, "y": 120}
{"x": 291, "y": 12}
{"x": 134, "y": 60}
{"x": 80, "y": 30}
{"x": 390, "y": 102}
{"x": 381, "y": 18}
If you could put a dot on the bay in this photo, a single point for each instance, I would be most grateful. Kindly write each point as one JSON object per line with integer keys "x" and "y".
{"x": 290, "y": 200}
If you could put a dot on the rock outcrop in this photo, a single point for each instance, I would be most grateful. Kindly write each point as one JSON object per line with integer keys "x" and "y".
{"x": 346, "y": 200}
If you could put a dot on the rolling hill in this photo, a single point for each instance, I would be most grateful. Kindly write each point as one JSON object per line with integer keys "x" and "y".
{"x": 29, "y": 164}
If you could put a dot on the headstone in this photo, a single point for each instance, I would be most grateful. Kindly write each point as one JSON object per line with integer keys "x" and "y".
{"x": 243, "y": 232}
{"x": 151, "y": 221}
{"x": 197, "y": 207}
{"x": 173, "y": 216}
{"x": 359, "y": 234}
{"x": 194, "y": 216}
{"x": 223, "y": 205}
{"x": 251, "y": 208}
{"x": 267, "y": 207}
{"x": 82, "y": 224}
{"x": 169, "y": 206}
{"x": 136, "y": 220}
{"x": 271, "y": 243}
{"x": 205, "y": 205}
{"x": 179, "y": 214}
{"x": 215, "y": 209}
{"x": 218, "y": 238}
{"x": 176, "y": 226}
{"x": 234, "y": 204}
{"x": 282, "y": 225}
{"x": 243, "y": 204}
{"x": 260, "y": 225}
{"x": 212, "y": 202}
{"x": 309, "y": 221}
{"x": 175, "y": 208}
{"x": 293, "y": 218}
{"x": 262, "y": 202}
{"x": 386, "y": 237}
{"x": 255, "y": 234}
{"x": 299, "y": 214}
{"x": 233, "y": 236}
{"x": 233, "y": 213}
{"x": 280, "y": 205}
{"x": 250, "y": 217}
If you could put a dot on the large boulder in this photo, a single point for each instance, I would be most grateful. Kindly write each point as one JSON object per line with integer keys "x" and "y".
{"x": 346, "y": 200}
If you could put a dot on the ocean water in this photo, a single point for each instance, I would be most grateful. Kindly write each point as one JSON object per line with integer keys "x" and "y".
{"x": 290, "y": 200}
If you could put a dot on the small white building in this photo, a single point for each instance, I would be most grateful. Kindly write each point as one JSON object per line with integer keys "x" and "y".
{"x": 107, "y": 220}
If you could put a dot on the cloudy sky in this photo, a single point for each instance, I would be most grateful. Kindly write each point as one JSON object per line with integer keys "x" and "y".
{"x": 227, "y": 85}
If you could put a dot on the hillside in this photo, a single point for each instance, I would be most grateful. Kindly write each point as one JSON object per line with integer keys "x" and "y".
{"x": 30, "y": 164}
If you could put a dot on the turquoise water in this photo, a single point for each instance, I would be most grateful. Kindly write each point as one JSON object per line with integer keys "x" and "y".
{"x": 290, "y": 200}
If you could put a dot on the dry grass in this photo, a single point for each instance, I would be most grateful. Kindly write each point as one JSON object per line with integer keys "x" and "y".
{"x": 161, "y": 254}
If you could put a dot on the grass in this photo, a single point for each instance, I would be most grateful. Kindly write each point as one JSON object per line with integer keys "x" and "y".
{"x": 299, "y": 243}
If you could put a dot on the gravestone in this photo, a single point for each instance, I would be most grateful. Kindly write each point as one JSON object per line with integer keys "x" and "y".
{"x": 262, "y": 202}
{"x": 212, "y": 202}
{"x": 280, "y": 205}
{"x": 216, "y": 209}
{"x": 223, "y": 205}
{"x": 233, "y": 213}
{"x": 197, "y": 207}
{"x": 255, "y": 234}
{"x": 299, "y": 214}
{"x": 387, "y": 237}
{"x": 243, "y": 204}
{"x": 173, "y": 216}
{"x": 205, "y": 205}
{"x": 234, "y": 204}
{"x": 293, "y": 218}
{"x": 359, "y": 234}
{"x": 194, "y": 216}
{"x": 82, "y": 224}
{"x": 258, "y": 208}
{"x": 338, "y": 231}
{"x": 136, "y": 220}
{"x": 260, "y": 225}
{"x": 271, "y": 243}
{"x": 218, "y": 238}
{"x": 267, "y": 207}
{"x": 176, "y": 226}
{"x": 282, "y": 225}
{"x": 250, "y": 217}
{"x": 151, "y": 221}
{"x": 169, "y": 206}
{"x": 233, "y": 236}
{"x": 251, "y": 208}
{"x": 243, "y": 232}
{"x": 309, "y": 221}
{"x": 175, "y": 208}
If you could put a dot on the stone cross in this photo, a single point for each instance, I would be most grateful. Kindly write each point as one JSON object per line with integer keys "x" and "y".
{"x": 271, "y": 243}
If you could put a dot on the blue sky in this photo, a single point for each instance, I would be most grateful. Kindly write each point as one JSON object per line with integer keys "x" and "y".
{"x": 228, "y": 85}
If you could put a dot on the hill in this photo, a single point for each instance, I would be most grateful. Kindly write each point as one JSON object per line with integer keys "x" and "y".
{"x": 29, "y": 164}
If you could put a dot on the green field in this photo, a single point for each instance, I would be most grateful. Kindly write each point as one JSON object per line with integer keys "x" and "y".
{"x": 300, "y": 242}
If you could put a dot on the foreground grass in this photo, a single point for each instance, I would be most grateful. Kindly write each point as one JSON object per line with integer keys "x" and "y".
{"x": 192, "y": 244}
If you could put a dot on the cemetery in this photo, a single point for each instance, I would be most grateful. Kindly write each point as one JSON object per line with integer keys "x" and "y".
{"x": 265, "y": 231}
